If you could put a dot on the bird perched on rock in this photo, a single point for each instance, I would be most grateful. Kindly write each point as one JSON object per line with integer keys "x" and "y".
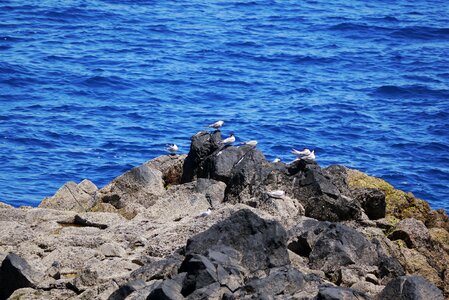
{"x": 229, "y": 140}
{"x": 172, "y": 148}
{"x": 216, "y": 125}
{"x": 310, "y": 157}
{"x": 303, "y": 152}
{"x": 204, "y": 213}
{"x": 276, "y": 160}
{"x": 249, "y": 143}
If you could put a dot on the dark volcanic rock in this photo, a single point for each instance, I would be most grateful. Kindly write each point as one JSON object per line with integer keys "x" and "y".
{"x": 220, "y": 164}
{"x": 331, "y": 246}
{"x": 390, "y": 267}
{"x": 126, "y": 289}
{"x": 283, "y": 280}
{"x": 410, "y": 288}
{"x": 339, "y": 293}
{"x": 326, "y": 208}
{"x": 161, "y": 269}
{"x": 203, "y": 144}
{"x": 200, "y": 273}
{"x": 167, "y": 290}
{"x": 262, "y": 243}
{"x": 372, "y": 201}
{"x": 340, "y": 245}
{"x": 16, "y": 273}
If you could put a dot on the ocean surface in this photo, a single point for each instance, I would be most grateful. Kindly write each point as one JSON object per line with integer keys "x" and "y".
{"x": 89, "y": 89}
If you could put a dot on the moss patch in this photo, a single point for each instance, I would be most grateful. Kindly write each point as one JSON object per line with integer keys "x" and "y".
{"x": 400, "y": 205}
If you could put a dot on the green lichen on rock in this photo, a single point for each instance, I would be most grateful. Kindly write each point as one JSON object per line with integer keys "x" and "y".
{"x": 400, "y": 205}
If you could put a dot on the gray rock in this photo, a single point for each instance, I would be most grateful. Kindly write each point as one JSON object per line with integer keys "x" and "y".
{"x": 170, "y": 166}
{"x": 112, "y": 249}
{"x": 141, "y": 184}
{"x": 213, "y": 189}
{"x": 413, "y": 232}
{"x": 125, "y": 290}
{"x": 340, "y": 245}
{"x": 410, "y": 288}
{"x": 339, "y": 293}
{"x": 72, "y": 196}
{"x": 167, "y": 290}
{"x": 283, "y": 280}
{"x": 220, "y": 164}
{"x": 200, "y": 273}
{"x": 160, "y": 269}
{"x": 261, "y": 242}
{"x": 16, "y": 273}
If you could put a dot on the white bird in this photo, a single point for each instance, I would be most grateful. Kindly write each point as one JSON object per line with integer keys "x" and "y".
{"x": 217, "y": 124}
{"x": 249, "y": 143}
{"x": 276, "y": 160}
{"x": 205, "y": 213}
{"x": 310, "y": 157}
{"x": 229, "y": 140}
{"x": 172, "y": 148}
{"x": 276, "y": 194}
{"x": 303, "y": 152}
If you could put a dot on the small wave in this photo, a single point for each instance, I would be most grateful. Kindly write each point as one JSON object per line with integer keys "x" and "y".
{"x": 420, "y": 32}
{"x": 349, "y": 26}
{"x": 411, "y": 91}
{"x": 110, "y": 81}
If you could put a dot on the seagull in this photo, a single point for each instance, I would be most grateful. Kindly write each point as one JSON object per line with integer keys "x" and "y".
{"x": 205, "y": 213}
{"x": 303, "y": 152}
{"x": 249, "y": 143}
{"x": 229, "y": 140}
{"x": 276, "y": 194}
{"x": 172, "y": 148}
{"x": 310, "y": 157}
{"x": 276, "y": 160}
{"x": 216, "y": 125}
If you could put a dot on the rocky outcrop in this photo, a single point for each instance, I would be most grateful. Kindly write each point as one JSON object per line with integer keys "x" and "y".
{"x": 71, "y": 196}
{"x": 225, "y": 223}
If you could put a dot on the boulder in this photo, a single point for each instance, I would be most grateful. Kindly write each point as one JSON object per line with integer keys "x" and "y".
{"x": 372, "y": 201}
{"x": 221, "y": 163}
{"x": 126, "y": 289}
{"x": 16, "y": 273}
{"x": 141, "y": 184}
{"x": 326, "y": 208}
{"x": 410, "y": 288}
{"x": 262, "y": 243}
{"x": 213, "y": 190}
{"x": 413, "y": 232}
{"x": 282, "y": 280}
{"x": 72, "y": 196}
{"x": 203, "y": 144}
{"x": 339, "y": 246}
{"x": 339, "y": 293}
{"x": 160, "y": 269}
{"x": 200, "y": 273}
{"x": 171, "y": 167}
{"x": 167, "y": 290}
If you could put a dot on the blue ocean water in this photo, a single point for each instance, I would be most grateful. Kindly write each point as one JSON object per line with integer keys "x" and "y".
{"x": 89, "y": 89}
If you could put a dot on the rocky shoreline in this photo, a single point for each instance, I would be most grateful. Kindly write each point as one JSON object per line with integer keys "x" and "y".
{"x": 333, "y": 233}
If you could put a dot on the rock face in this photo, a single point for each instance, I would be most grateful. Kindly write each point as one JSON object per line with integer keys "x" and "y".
{"x": 224, "y": 223}
{"x": 16, "y": 273}
{"x": 73, "y": 197}
{"x": 141, "y": 184}
{"x": 410, "y": 287}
